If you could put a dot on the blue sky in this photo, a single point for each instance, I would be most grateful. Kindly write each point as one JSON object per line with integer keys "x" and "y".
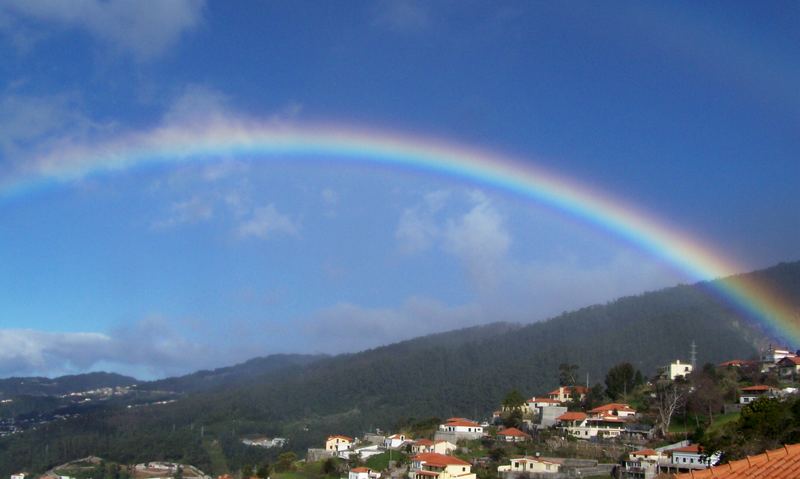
{"x": 687, "y": 111}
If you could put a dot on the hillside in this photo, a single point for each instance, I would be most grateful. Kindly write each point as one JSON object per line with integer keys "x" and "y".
{"x": 39, "y": 386}
{"x": 464, "y": 372}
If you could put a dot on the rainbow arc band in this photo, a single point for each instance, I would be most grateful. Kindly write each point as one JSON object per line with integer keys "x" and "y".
{"x": 228, "y": 138}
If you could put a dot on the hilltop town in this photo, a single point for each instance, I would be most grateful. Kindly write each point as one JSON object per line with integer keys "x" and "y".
{"x": 674, "y": 424}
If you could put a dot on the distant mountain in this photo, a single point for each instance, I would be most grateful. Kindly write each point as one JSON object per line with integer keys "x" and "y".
{"x": 459, "y": 373}
{"x": 39, "y": 386}
{"x": 231, "y": 375}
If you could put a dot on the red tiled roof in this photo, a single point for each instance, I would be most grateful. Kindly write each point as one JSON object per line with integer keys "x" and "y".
{"x": 792, "y": 359}
{"x": 360, "y": 469}
{"x": 462, "y": 423}
{"x": 645, "y": 452}
{"x": 572, "y": 416}
{"x": 783, "y": 463}
{"x": 570, "y": 389}
{"x": 424, "y": 442}
{"x": 512, "y": 431}
{"x": 614, "y": 406}
{"x": 435, "y": 459}
{"x": 693, "y": 448}
{"x": 759, "y": 387}
{"x": 340, "y": 437}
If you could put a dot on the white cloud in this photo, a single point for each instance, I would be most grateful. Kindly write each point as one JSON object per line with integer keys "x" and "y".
{"x": 480, "y": 240}
{"x": 265, "y": 222}
{"x": 192, "y": 210}
{"x": 145, "y": 29}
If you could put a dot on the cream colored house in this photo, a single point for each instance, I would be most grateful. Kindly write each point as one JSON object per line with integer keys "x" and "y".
{"x": 439, "y": 466}
{"x": 338, "y": 444}
{"x": 528, "y": 465}
{"x": 565, "y": 393}
{"x": 426, "y": 445}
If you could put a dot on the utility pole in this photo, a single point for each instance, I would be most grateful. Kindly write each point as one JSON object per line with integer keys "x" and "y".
{"x": 693, "y": 356}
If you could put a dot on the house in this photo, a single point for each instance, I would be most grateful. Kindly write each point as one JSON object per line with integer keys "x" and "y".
{"x": 751, "y": 393}
{"x": 395, "y": 441}
{"x": 782, "y": 463}
{"x": 789, "y": 368}
{"x": 565, "y": 393}
{"x": 676, "y": 370}
{"x": 512, "y": 434}
{"x": 460, "y": 428}
{"x": 690, "y": 457}
{"x": 643, "y": 464}
{"x": 535, "y": 404}
{"x": 772, "y": 356}
{"x": 615, "y": 409}
{"x": 363, "y": 473}
{"x": 527, "y": 465}
{"x": 339, "y": 445}
{"x": 21, "y": 475}
{"x": 583, "y": 426}
{"x": 439, "y": 466}
{"x": 426, "y": 445}
{"x": 263, "y": 441}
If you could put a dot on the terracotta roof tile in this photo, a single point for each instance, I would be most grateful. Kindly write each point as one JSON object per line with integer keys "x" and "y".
{"x": 512, "y": 431}
{"x": 783, "y": 463}
{"x": 645, "y": 452}
{"x": 462, "y": 423}
{"x": 360, "y": 469}
{"x": 614, "y": 406}
{"x": 435, "y": 459}
{"x": 572, "y": 416}
{"x": 759, "y": 387}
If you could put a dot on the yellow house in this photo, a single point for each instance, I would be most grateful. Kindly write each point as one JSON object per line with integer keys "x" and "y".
{"x": 338, "y": 443}
{"x": 528, "y": 465}
{"x": 438, "y": 466}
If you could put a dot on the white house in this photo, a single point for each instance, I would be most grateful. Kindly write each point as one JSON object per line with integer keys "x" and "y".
{"x": 751, "y": 393}
{"x": 363, "y": 473}
{"x": 772, "y": 356}
{"x": 614, "y": 409}
{"x": 462, "y": 428}
{"x": 512, "y": 434}
{"x": 366, "y": 452}
{"x": 691, "y": 457}
{"x": 528, "y": 465}
{"x": 395, "y": 441}
{"x": 582, "y": 426}
{"x": 677, "y": 369}
{"x": 21, "y": 475}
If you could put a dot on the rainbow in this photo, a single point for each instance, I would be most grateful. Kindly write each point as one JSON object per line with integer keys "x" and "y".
{"x": 226, "y": 138}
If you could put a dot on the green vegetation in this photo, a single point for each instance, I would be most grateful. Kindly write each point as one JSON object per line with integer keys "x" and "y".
{"x": 462, "y": 373}
{"x": 380, "y": 462}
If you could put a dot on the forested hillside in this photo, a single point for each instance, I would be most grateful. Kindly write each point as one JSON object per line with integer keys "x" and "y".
{"x": 463, "y": 373}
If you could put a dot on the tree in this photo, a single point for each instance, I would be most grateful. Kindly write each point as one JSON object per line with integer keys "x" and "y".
{"x": 706, "y": 399}
{"x": 263, "y": 471}
{"x": 285, "y": 462}
{"x": 513, "y": 400}
{"x": 595, "y": 397}
{"x": 330, "y": 467}
{"x": 567, "y": 374}
{"x": 621, "y": 379}
{"x": 670, "y": 398}
{"x": 178, "y": 472}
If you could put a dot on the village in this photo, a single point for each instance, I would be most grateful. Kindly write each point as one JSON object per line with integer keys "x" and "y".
{"x": 563, "y": 433}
